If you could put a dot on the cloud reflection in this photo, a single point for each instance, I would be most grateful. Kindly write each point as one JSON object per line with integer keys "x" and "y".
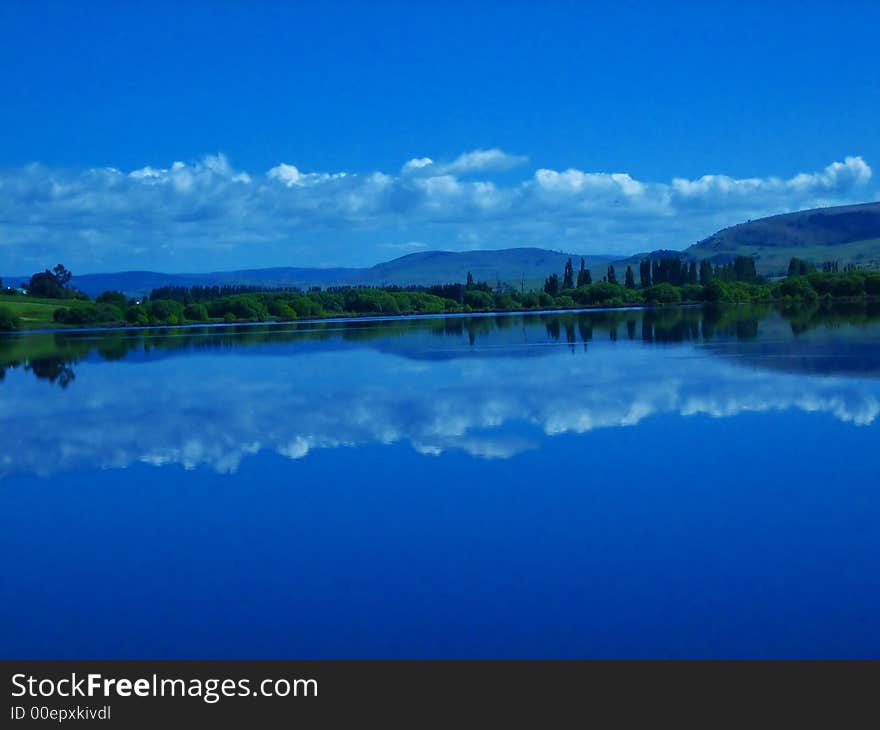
{"x": 216, "y": 409}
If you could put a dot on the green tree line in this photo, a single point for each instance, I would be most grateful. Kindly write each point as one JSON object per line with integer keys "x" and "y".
{"x": 661, "y": 281}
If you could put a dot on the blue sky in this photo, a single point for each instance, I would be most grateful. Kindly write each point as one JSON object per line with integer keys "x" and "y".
{"x": 198, "y": 136}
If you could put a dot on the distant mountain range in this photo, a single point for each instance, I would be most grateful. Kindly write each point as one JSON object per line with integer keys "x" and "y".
{"x": 514, "y": 266}
{"x": 848, "y": 234}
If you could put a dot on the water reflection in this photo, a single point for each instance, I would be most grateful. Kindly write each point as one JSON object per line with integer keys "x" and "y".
{"x": 491, "y": 387}
{"x": 53, "y": 356}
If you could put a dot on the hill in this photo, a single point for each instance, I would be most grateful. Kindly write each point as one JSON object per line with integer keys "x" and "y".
{"x": 513, "y": 266}
{"x": 848, "y": 234}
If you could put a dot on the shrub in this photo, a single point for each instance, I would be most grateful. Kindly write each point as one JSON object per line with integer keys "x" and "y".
{"x": 662, "y": 294}
{"x": 285, "y": 312}
{"x": 368, "y": 301}
{"x": 432, "y": 304}
{"x": 849, "y": 286}
{"x": 9, "y": 321}
{"x": 88, "y": 314}
{"x": 604, "y": 292}
{"x": 821, "y": 283}
{"x": 165, "y": 311}
{"x": 716, "y": 291}
{"x": 115, "y": 298}
{"x": 196, "y": 312}
{"x": 136, "y": 315}
{"x": 797, "y": 287}
{"x": 243, "y": 306}
{"x": 505, "y": 301}
{"x": 478, "y": 299}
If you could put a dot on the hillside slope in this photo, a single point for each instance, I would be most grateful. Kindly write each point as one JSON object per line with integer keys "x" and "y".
{"x": 511, "y": 266}
{"x": 848, "y": 234}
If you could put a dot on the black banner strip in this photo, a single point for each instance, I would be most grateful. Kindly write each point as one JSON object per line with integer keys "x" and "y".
{"x": 163, "y": 694}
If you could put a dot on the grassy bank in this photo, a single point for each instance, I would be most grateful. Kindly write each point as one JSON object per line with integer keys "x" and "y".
{"x": 36, "y": 312}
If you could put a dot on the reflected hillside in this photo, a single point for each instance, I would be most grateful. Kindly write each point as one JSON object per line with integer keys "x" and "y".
{"x": 53, "y": 356}
{"x": 831, "y": 340}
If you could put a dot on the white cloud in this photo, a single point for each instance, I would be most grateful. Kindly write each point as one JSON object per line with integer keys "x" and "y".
{"x": 418, "y": 163}
{"x": 483, "y": 161}
{"x": 289, "y": 175}
{"x": 192, "y": 212}
{"x": 493, "y": 160}
{"x": 147, "y": 173}
{"x": 852, "y": 171}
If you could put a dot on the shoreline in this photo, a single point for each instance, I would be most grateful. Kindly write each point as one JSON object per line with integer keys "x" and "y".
{"x": 343, "y": 318}
{"x": 348, "y": 318}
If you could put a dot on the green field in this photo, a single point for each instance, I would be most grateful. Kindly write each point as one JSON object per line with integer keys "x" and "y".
{"x": 36, "y": 313}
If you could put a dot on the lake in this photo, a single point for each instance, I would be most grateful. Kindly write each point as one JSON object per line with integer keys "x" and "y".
{"x": 671, "y": 483}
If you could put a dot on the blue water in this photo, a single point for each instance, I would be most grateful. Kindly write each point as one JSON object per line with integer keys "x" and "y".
{"x": 596, "y": 485}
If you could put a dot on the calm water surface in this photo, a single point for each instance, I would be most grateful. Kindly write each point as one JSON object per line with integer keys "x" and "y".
{"x": 612, "y": 484}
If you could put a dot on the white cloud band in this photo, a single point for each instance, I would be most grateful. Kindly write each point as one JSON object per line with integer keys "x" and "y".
{"x": 105, "y": 218}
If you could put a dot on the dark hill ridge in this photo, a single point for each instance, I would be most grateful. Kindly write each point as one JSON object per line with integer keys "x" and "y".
{"x": 847, "y": 233}
{"x": 514, "y": 266}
